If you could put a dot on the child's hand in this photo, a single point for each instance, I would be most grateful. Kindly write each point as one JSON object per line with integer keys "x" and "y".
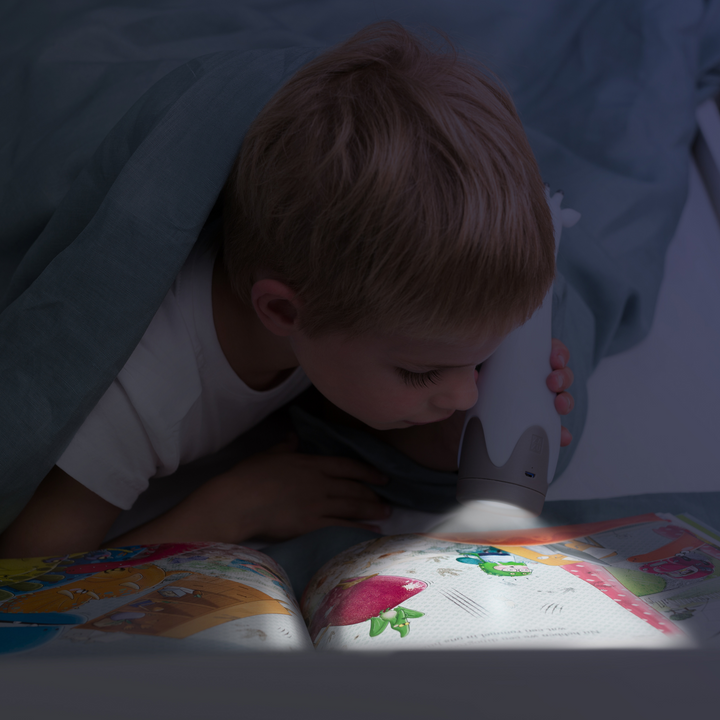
{"x": 281, "y": 494}
{"x": 559, "y": 380}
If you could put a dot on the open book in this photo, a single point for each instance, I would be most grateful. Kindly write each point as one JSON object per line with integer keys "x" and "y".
{"x": 649, "y": 580}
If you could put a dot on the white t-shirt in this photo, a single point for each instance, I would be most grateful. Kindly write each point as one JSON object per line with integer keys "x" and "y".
{"x": 175, "y": 400}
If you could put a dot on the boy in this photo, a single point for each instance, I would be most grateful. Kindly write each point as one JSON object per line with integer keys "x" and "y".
{"x": 384, "y": 227}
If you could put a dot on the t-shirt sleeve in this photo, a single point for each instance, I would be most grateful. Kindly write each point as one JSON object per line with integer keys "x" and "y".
{"x": 133, "y": 433}
{"x": 111, "y": 454}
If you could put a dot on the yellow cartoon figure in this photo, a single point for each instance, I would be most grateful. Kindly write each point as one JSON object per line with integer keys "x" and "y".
{"x": 101, "y": 586}
{"x": 24, "y": 574}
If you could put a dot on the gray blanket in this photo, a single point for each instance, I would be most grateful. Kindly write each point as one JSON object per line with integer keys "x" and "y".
{"x": 120, "y": 122}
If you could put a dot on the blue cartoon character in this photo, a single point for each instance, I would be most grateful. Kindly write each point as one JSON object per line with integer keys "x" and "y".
{"x": 493, "y": 561}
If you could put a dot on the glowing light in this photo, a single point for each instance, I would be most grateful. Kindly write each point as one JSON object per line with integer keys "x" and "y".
{"x": 487, "y": 515}
{"x": 501, "y": 508}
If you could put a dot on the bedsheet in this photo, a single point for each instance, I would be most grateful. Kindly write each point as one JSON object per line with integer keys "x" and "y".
{"x": 121, "y": 121}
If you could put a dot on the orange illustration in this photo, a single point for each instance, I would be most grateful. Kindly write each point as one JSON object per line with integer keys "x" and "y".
{"x": 101, "y": 586}
{"x": 196, "y": 603}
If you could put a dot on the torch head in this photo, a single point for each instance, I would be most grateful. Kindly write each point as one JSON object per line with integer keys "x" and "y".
{"x": 516, "y": 488}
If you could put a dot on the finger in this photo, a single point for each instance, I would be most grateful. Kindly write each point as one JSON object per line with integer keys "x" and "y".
{"x": 341, "y": 467}
{"x": 560, "y": 380}
{"x": 565, "y": 437}
{"x": 559, "y": 355}
{"x": 564, "y": 403}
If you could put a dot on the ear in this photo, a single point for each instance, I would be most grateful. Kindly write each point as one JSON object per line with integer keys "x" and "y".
{"x": 277, "y": 306}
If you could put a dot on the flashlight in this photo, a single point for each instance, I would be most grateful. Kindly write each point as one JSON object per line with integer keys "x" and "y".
{"x": 511, "y": 438}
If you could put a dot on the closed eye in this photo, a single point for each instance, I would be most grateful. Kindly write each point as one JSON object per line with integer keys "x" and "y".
{"x": 418, "y": 379}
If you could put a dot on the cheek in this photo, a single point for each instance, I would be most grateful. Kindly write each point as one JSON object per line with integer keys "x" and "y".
{"x": 381, "y": 398}
{"x": 347, "y": 387}
{"x": 372, "y": 394}
{"x": 379, "y": 391}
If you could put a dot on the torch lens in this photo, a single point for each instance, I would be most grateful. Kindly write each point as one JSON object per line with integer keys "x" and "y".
{"x": 497, "y": 507}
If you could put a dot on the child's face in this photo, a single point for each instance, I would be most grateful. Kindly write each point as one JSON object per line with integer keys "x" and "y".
{"x": 379, "y": 379}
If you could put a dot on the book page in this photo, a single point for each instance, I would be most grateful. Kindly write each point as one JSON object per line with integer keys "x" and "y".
{"x": 690, "y": 593}
{"x": 597, "y": 585}
{"x": 189, "y": 597}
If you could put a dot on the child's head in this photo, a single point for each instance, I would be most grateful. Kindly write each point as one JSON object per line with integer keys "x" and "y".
{"x": 391, "y": 187}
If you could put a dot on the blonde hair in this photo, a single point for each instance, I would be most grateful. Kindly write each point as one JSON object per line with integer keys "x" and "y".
{"x": 392, "y": 187}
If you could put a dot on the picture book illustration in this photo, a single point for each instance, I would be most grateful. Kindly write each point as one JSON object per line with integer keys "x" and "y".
{"x": 648, "y": 581}
{"x": 376, "y": 598}
{"x": 494, "y": 561}
{"x": 651, "y": 580}
{"x": 170, "y": 591}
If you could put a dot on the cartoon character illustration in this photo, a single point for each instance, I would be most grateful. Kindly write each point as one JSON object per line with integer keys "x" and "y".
{"x": 489, "y": 561}
{"x": 179, "y": 611}
{"x": 173, "y": 611}
{"x": 680, "y": 567}
{"x": 28, "y": 574}
{"x": 397, "y": 618}
{"x": 111, "y": 583}
{"x": 489, "y": 552}
{"x": 375, "y": 597}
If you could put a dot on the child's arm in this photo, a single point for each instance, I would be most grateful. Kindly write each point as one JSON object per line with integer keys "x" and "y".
{"x": 274, "y": 496}
{"x": 62, "y": 517}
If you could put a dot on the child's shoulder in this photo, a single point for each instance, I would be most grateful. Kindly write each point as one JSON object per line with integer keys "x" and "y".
{"x": 166, "y": 361}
